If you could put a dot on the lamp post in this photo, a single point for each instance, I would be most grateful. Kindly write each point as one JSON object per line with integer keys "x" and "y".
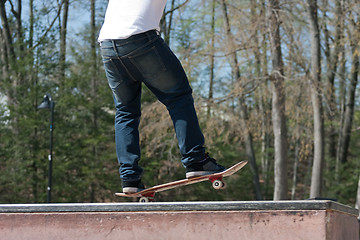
{"x": 48, "y": 103}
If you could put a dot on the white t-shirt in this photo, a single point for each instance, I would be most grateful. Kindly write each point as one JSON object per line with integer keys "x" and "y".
{"x": 125, "y": 18}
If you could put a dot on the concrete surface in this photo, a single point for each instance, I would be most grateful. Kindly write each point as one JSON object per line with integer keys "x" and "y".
{"x": 185, "y": 220}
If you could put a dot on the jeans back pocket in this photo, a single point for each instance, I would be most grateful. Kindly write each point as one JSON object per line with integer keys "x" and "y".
{"x": 148, "y": 62}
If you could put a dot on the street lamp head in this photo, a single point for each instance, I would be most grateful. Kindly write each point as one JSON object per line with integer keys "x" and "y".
{"x": 46, "y": 102}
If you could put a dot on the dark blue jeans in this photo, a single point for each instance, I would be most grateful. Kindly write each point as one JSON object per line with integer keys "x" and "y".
{"x": 145, "y": 58}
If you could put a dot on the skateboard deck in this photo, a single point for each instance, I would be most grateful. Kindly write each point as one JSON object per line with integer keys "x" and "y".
{"x": 148, "y": 194}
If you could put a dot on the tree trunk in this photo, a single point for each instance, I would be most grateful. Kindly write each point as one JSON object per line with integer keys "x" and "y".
{"x": 263, "y": 94}
{"x": 297, "y": 151}
{"x": 316, "y": 177}
{"x": 33, "y": 79}
{"x": 354, "y": 34}
{"x": 3, "y": 56}
{"x": 278, "y": 105}
{"x": 165, "y": 27}
{"x": 94, "y": 93}
{"x": 212, "y": 57}
{"x": 7, "y": 52}
{"x": 10, "y": 63}
{"x": 169, "y": 25}
{"x": 63, "y": 31}
{"x": 6, "y": 32}
{"x": 342, "y": 101}
{"x": 265, "y": 106}
{"x": 332, "y": 60}
{"x": 357, "y": 204}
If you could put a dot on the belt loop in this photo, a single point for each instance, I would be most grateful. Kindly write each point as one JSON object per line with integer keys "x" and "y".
{"x": 114, "y": 46}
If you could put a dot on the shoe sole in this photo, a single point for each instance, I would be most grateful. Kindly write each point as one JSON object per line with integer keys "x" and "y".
{"x": 199, "y": 173}
{"x": 131, "y": 190}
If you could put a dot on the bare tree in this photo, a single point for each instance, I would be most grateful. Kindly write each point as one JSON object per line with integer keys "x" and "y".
{"x": 357, "y": 204}
{"x": 316, "y": 178}
{"x": 212, "y": 57}
{"x": 94, "y": 91}
{"x": 278, "y": 105}
{"x": 63, "y": 33}
{"x": 344, "y": 141}
{"x": 265, "y": 97}
{"x": 242, "y": 105}
{"x": 332, "y": 62}
{"x": 8, "y": 51}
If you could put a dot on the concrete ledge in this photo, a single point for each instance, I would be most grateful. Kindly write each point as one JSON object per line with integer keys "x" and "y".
{"x": 184, "y": 220}
{"x": 178, "y": 206}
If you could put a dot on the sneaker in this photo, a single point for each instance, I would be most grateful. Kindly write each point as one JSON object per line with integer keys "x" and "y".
{"x": 132, "y": 186}
{"x": 208, "y": 166}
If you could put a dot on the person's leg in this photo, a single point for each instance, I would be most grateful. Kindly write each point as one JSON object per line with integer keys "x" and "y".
{"x": 127, "y": 98}
{"x": 127, "y": 119}
{"x": 166, "y": 78}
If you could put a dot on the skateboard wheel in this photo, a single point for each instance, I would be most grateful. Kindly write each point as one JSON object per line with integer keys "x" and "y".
{"x": 144, "y": 200}
{"x": 224, "y": 185}
{"x": 217, "y": 184}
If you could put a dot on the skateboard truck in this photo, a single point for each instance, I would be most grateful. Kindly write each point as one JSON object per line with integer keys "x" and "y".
{"x": 217, "y": 182}
{"x": 147, "y": 197}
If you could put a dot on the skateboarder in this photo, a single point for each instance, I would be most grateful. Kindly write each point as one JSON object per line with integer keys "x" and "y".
{"x": 133, "y": 53}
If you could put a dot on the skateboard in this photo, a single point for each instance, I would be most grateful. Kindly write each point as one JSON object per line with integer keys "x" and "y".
{"x": 147, "y": 195}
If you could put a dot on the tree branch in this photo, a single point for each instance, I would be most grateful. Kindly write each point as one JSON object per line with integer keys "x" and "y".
{"x": 176, "y": 8}
{"x": 50, "y": 26}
